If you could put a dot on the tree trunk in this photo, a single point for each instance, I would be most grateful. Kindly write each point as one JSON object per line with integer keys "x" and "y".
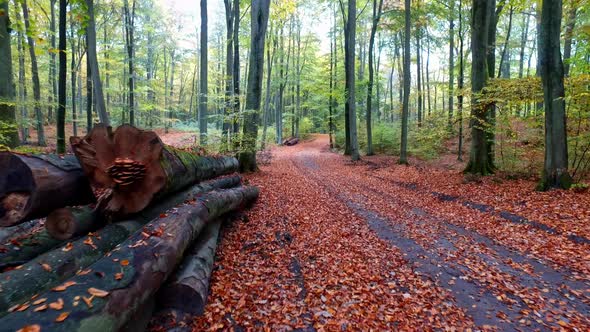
{"x": 130, "y": 42}
{"x": 63, "y": 68}
{"x": 350, "y": 107}
{"x": 53, "y": 96}
{"x": 135, "y": 167}
{"x": 22, "y": 88}
{"x": 419, "y": 69}
{"x": 69, "y": 222}
{"x": 461, "y": 82}
{"x": 89, "y": 89}
{"x": 7, "y": 108}
{"x": 134, "y": 273}
{"x": 73, "y": 73}
{"x": 35, "y": 185}
{"x": 229, "y": 59}
{"x": 376, "y": 17}
{"x": 269, "y": 63}
{"x": 236, "y": 63}
{"x": 523, "y": 40}
{"x": 479, "y": 161}
{"x": 185, "y": 293}
{"x": 451, "y": 61}
{"x": 92, "y": 58}
{"x": 403, "y": 158}
{"x": 569, "y": 28}
{"x": 203, "y": 77}
{"x": 504, "y": 66}
{"x": 23, "y": 248}
{"x": 555, "y": 170}
{"x": 247, "y": 157}
{"x": 35, "y": 75}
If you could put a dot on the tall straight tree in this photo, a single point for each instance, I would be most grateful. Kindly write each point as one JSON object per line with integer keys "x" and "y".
{"x": 130, "y": 42}
{"x": 229, "y": 67}
{"x": 479, "y": 161}
{"x": 35, "y": 75}
{"x": 555, "y": 170}
{"x": 236, "y": 63}
{"x": 403, "y": 156}
{"x": 63, "y": 63}
{"x": 451, "y": 61}
{"x": 52, "y": 71}
{"x": 203, "y": 79}
{"x": 377, "y": 9}
{"x": 98, "y": 95}
{"x": 259, "y": 21}
{"x": 349, "y": 66}
{"x": 7, "y": 108}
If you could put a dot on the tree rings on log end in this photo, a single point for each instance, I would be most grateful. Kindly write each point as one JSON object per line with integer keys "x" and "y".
{"x": 61, "y": 224}
{"x": 16, "y": 184}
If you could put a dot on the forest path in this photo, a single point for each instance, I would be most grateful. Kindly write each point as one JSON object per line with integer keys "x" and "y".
{"x": 340, "y": 245}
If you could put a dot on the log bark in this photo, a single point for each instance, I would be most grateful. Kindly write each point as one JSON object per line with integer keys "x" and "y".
{"x": 19, "y": 230}
{"x": 31, "y": 186}
{"x": 135, "y": 167}
{"x": 22, "y": 249}
{"x": 133, "y": 273}
{"x": 69, "y": 222}
{"x": 53, "y": 267}
{"x": 186, "y": 292}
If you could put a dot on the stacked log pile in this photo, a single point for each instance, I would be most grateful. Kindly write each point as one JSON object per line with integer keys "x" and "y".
{"x": 291, "y": 141}
{"x": 131, "y": 229}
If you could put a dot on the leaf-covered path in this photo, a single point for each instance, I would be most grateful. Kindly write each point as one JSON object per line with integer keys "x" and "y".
{"x": 339, "y": 246}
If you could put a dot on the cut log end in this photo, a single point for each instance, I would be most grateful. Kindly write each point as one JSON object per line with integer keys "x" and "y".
{"x": 13, "y": 208}
{"x": 61, "y": 224}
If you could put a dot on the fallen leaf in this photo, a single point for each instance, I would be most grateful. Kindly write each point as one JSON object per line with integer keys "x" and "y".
{"x": 69, "y": 246}
{"x": 30, "y": 328}
{"x": 23, "y": 307}
{"x": 90, "y": 242}
{"x": 163, "y": 215}
{"x": 97, "y": 292}
{"x": 84, "y": 272}
{"x": 40, "y": 308}
{"x": 88, "y": 300}
{"x": 124, "y": 262}
{"x": 57, "y": 305}
{"x": 62, "y": 317}
{"x": 64, "y": 286}
{"x": 46, "y": 267}
{"x": 118, "y": 276}
{"x": 39, "y": 301}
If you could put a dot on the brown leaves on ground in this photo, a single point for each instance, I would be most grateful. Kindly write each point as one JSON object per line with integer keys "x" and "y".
{"x": 307, "y": 257}
{"x": 63, "y": 286}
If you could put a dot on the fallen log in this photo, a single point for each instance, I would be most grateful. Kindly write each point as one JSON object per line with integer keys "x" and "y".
{"x": 185, "y": 293}
{"x": 31, "y": 186}
{"x": 22, "y": 249}
{"x": 7, "y": 233}
{"x": 123, "y": 281}
{"x": 69, "y": 222}
{"x": 51, "y": 268}
{"x": 291, "y": 141}
{"x": 135, "y": 167}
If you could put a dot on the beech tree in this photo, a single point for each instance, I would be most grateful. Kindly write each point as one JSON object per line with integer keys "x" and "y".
{"x": 403, "y": 157}
{"x": 258, "y": 24}
{"x": 555, "y": 170}
{"x": 203, "y": 78}
{"x": 63, "y": 65}
{"x": 8, "y": 128}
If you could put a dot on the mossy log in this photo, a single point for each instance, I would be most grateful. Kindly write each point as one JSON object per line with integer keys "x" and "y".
{"x": 185, "y": 294}
{"x": 120, "y": 283}
{"x": 7, "y": 233}
{"x": 31, "y": 186}
{"x": 133, "y": 167}
{"x": 53, "y": 267}
{"x": 69, "y": 222}
{"x": 22, "y": 249}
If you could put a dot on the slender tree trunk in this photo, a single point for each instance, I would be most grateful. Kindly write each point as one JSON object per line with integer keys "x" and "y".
{"x": 403, "y": 159}
{"x": 350, "y": 109}
{"x": 461, "y": 83}
{"x": 569, "y": 28}
{"x": 89, "y": 89}
{"x": 555, "y": 170}
{"x": 35, "y": 75}
{"x": 63, "y": 65}
{"x": 52, "y": 64}
{"x": 523, "y": 40}
{"x": 505, "y": 55}
{"x": 96, "y": 83}
{"x": 269, "y": 64}
{"x": 22, "y": 88}
{"x": 419, "y": 70}
{"x": 229, "y": 63}
{"x": 331, "y": 98}
{"x": 259, "y": 21}
{"x": 73, "y": 77}
{"x": 203, "y": 93}
{"x": 377, "y": 8}
{"x": 130, "y": 41}
{"x": 7, "y": 107}
{"x": 451, "y": 61}
{"x": 236, "y": 63}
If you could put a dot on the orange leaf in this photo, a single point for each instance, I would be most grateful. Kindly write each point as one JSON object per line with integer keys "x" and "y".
{"x": 88, "y": 300}
{"x": 39, "y": 301}
{"x": 89, "y": 242}
{"x": 124, "y": 262}
{"x": 46, "y": 267}
{"x": 84, "y": 272}
{"x": 30, "y": 328}
{"x": 57, "y": 305}
{"x": 62, "y": 317}
{"x": 64, "y": 286}
{"x": 68, "y": 247}
{"x": 118, "y": 276}
{"x": 40, "y": 308}
{"x": 23, "y": 307}
{"x": 97, "y": 292}
{"x": 163, "y": 215}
